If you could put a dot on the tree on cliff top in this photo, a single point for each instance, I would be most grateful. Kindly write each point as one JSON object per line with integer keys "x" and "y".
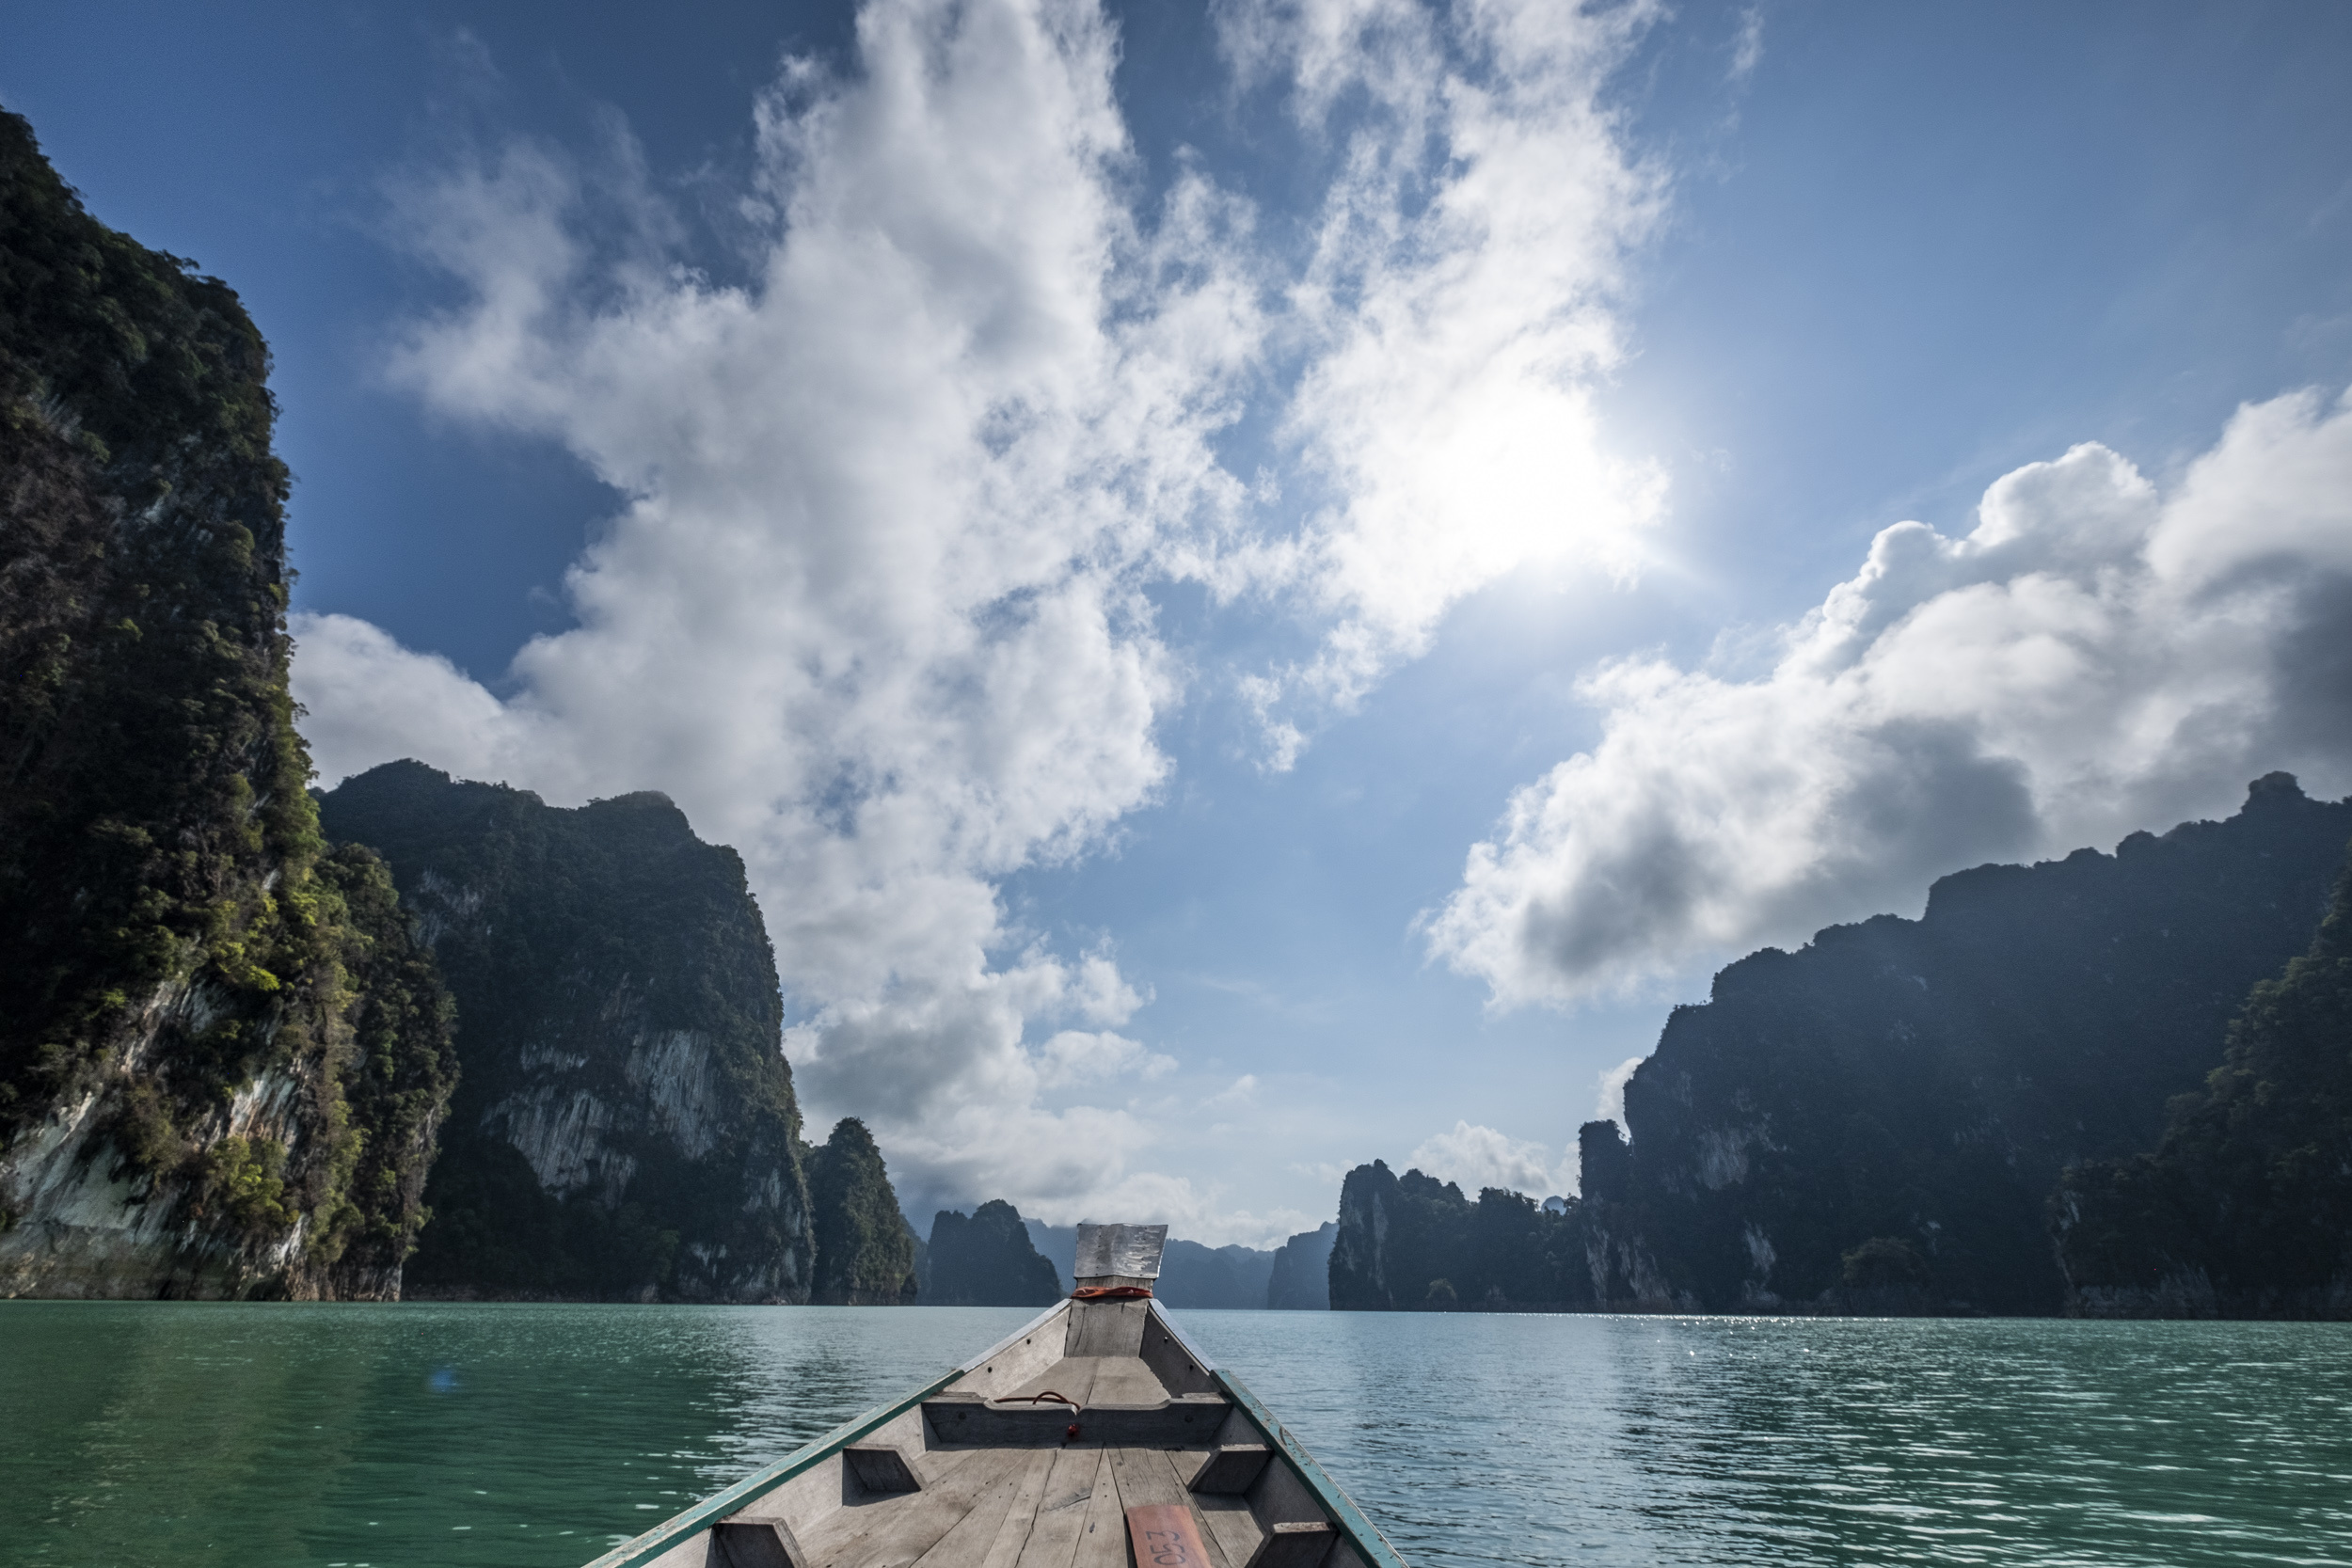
{"x": 864, "y": 1252}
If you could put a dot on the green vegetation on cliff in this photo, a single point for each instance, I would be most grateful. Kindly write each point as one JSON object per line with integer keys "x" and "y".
{"x": 625, "y": 1127}
{"x": 864, "y": 1252}
{"x": 2245, "y": 1209}
{"x": 986, "y": 1259}
{"x": 184, "y": 968}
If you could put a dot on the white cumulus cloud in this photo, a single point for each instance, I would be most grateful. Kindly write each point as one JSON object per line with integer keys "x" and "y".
{"x": 874, "y": 609}
{"x": 2095, "y": 656}
{"x": 1477, "y": 1157}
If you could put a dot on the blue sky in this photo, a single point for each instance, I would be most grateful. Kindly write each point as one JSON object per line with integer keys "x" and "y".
{"x": 1107, "y": 509}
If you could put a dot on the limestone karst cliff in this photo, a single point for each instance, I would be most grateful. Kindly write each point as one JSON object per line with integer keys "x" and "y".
{"x": 221, "y": 1062}
{"x": 624, "y": 1128}
{"x": 1299, "y": 1278}
{"x": 1926, "y": 1082}
{"x": 985, "y": 1258}
{"x": 864, "y": 1252}
{"x": 1877, "y": 1123}
{"x": 2245, "y": 1209}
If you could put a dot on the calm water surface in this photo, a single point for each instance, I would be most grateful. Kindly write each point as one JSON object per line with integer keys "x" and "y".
{"x": 135, "y": 1433}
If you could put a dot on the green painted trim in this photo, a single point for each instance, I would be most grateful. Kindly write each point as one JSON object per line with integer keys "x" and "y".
{"x": 702, "y": 1515}
{"x": 1361, "y": 1532}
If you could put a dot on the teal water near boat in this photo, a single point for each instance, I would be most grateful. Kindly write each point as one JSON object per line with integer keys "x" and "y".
{"x": 135, "y": 1433}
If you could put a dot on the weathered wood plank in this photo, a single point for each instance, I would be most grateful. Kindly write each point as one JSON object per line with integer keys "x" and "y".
{"x": 1029, "y": 1495}
{"x": 1061, "y": 1519}
{"x": 1107, "y": 1327}
{"x": 1164, "y": 1535}
{"x": 895, "y": 1531}
{"x": 1300, "y": 1543}
{"x": 1147, "y": 1479}
{"x": 971, "y": 1536}
{"x": 1186, "y": 1422}
{"x": 1124, "y": 1380}
{"x": 1104, "y": 1541}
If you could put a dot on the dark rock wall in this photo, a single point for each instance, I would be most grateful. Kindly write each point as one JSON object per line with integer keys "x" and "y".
{"x": 1413, "y": 1243}
{"x": 1300, "y": 1279}
{"x": 1928, "y": 1081}
{"x": 202, "y": 1092}
{"x": 986, "y": 1258}
{"x": 625, "y": 1127}
{"x": 2245, "y": 1209}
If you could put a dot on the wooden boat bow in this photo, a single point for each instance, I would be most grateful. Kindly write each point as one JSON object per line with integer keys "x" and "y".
{"x": 1095, "y": 1435}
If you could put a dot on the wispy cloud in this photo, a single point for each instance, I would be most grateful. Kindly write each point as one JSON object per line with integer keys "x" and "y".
{"x": 2093, "y": 657}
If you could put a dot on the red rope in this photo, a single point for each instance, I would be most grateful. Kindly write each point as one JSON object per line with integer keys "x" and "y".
{"x": 1110, "y": 1292}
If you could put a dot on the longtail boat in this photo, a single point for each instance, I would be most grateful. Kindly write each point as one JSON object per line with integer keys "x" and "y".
{"x": 1094, "y": 1436}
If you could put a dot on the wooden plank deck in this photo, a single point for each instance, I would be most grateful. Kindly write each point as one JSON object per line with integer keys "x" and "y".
{"x": 1030, "y": 1508}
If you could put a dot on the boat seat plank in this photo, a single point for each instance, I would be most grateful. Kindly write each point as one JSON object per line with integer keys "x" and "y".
{"x": 1231, "y": 1468}
{"x": 1029, "y": 1495}
{"x": 1062, "y": 1517}
{"x": 1300, "y": 1543}
{"x": 893, "y": 1531}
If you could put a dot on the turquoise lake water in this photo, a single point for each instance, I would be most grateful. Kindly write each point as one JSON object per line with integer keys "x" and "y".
{"x": 136, "y": 1433}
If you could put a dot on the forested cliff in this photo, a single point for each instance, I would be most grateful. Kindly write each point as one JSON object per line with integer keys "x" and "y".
{"x": 864, "y": 1251}
{"x": 2245, "y": 1209}
{"x": 222, "y": 1063}
{"x": 1877, "y": 1122}
{"x": 626, "y": 1126}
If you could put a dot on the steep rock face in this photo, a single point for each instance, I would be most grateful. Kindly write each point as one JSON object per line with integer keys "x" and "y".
{"x": 625, "y": 1127}
{"x": 1412, "y": 1243}
{"x": 986, "y": 1258}
{"x": 1926, "y": 1082}
{"x": 1300, "y": 1278}
{"x": 864, "y": 1252}
{"x": 186, "y": 1104}
{"x": 2245, "y": 1209}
